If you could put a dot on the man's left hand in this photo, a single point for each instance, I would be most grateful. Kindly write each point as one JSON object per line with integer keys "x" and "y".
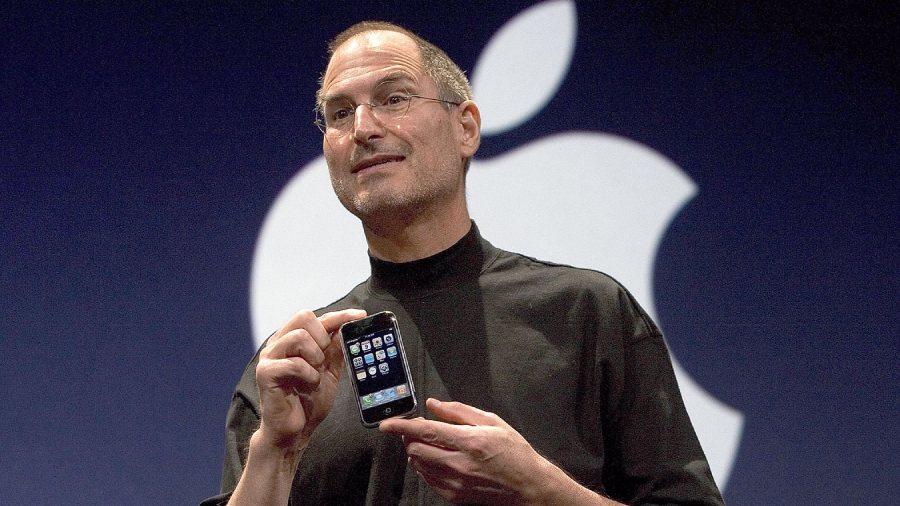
{"x": 473, "y": 456}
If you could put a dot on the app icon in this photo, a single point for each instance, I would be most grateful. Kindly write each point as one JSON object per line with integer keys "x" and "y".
{"x": 379, "y": 396}
{"x": 389, "y": 339}
{"x": 376, "y": 342}
{"x": 370, "y": 359}
{"x": 366, "y": 345}
{"x": 360, "y": 375}
{"x": 392, "y": 351}
{"x": 373, "y": 371}
{"x": 367, "y": 400}
{"x": 354, "y": 349}
{"x": 380, "y": 354}
{"x": 383, "y": 367}
{"x": 357, "y": 362}
{"x": 402, "y": 389}
{"x": 391, "y": 393}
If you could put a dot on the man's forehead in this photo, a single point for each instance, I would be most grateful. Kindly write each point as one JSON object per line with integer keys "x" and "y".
{"x": 373, "y": 49}
{"x": 378, "y": 40}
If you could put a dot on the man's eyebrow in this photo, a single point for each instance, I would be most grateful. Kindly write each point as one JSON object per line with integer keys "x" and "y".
{"x": 391, "y": 78}
{"x": 394, "y": 77}
{"x": 336, "y": 97}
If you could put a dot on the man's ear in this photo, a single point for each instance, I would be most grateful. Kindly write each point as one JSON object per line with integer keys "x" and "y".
{"x": 470, "y": 126}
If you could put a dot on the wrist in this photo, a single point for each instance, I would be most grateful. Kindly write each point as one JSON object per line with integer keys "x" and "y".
{"x": 558, "y": 488}
{"x": 268, "y": 473}
{"x": 279, "y": 454}
{"x": 544, "y": 485}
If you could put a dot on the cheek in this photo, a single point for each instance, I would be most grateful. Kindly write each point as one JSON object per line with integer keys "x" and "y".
{"x": 436, "y": 144}
{"x": 334, "y": 165}
{"x": 333, "y": 151}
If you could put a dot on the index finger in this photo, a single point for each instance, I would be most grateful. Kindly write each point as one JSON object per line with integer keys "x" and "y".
{"x": 319, "y": 328}
{"x": 432, "y": 432}
{"x": 332, "y": 321}
{"x": 457, "y": 412}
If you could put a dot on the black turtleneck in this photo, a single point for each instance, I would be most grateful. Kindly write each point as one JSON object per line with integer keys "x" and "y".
{"x": 564, "y": 355}
{"x": 459, "y": 263}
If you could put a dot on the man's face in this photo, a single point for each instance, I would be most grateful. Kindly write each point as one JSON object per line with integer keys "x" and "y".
{"x": 408, "y": 164}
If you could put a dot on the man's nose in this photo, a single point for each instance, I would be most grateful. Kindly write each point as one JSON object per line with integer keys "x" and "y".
{"x": 366, "y": 123}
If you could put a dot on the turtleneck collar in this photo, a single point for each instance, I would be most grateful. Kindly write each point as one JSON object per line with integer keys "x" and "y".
{"x": 459, "y": 263}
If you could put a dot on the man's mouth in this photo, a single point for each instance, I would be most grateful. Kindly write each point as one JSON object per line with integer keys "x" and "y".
{"x": 373, "y": 161}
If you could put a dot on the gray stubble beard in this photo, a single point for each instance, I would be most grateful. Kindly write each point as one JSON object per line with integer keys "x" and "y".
{"x": 386, "y": 212}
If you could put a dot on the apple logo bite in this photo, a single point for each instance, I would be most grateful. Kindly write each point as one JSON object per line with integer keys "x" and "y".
{"x": 589, "y": 199}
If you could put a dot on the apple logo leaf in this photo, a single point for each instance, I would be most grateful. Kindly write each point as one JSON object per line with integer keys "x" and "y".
{"x": 523, "y": 65}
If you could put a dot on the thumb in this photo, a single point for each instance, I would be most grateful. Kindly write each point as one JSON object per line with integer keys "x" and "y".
{"x": 333, "y": 321}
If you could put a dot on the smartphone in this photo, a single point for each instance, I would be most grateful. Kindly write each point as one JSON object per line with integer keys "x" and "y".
{"x": 378, "y": 369}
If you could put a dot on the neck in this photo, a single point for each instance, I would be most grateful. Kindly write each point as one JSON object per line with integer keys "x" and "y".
{"x": 418, "y": 237}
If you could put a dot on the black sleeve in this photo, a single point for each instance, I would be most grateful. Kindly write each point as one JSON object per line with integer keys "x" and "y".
{"x": 653, "y": 454}
{"x": 241, "y": 422}
{"x": 219, "y": 500}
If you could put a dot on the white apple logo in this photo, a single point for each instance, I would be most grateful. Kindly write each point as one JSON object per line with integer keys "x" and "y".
{"x": 589, "y": 199}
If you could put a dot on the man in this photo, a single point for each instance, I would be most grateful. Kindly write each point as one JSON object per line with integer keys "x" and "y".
{"x": 545, "y": 384}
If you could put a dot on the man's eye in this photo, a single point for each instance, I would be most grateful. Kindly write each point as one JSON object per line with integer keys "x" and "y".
{"x": 340, "y": 114}
{"x": 396, "y": 100}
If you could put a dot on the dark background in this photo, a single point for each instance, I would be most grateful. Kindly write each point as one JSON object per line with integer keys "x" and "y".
{"x": 142, "y": 144}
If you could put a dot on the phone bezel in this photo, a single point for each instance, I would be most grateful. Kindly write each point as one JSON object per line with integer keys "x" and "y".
{"x": 356, "y": 329}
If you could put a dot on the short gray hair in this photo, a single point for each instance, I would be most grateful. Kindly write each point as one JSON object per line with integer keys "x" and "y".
{"x": 451, "y": 81}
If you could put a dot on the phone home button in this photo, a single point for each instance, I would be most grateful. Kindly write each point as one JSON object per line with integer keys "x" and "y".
{"x": 387, "y": 411}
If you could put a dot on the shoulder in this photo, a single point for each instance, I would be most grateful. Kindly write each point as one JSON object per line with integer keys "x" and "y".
{"x": 515, "y": 267}
{"x": 592, "y": 295}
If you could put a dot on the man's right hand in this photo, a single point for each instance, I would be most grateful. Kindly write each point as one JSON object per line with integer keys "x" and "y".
{"x": 297, "y": 375}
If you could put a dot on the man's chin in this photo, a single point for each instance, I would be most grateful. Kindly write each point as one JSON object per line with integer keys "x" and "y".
{"x": 375, "y": 209}
{"x": 381, "y": 214}
{"x": 368, "y": 206}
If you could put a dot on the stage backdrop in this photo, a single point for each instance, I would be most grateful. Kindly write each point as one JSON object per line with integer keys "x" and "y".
{"x": 165, "y": 206}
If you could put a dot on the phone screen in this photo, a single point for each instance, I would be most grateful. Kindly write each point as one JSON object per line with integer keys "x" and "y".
{"x": 378, "y": 369}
